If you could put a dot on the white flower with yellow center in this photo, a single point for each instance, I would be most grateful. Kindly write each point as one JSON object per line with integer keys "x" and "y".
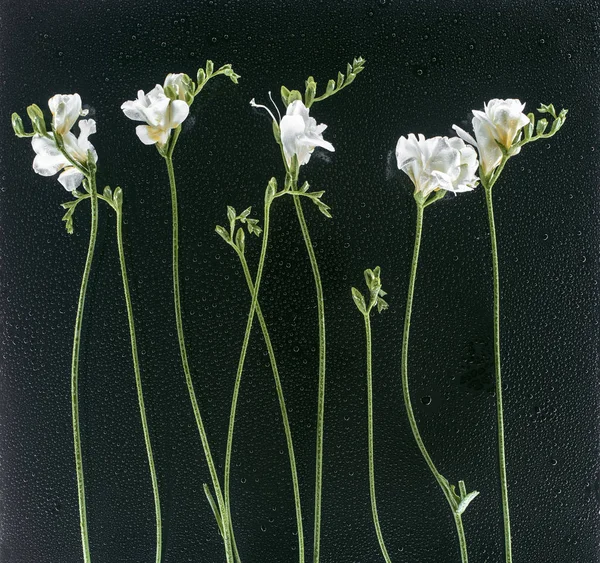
{"x": 438, "y": 163}
{"x": 160, "y": 113}
{"x": 501, "y": 122}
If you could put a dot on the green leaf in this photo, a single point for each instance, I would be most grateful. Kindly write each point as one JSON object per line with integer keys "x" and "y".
{"x": 359, "y": 301}
{"x": 246, "y": 212}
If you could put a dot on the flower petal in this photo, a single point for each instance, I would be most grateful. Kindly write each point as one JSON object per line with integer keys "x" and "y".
{"x": 464, "y": 135}
{"x": 134, "y": 110}
{"x": 179, "y": 111}
{"x": 151, "y": 135}
{"x": 65, "y": 109}
{"x": 48, "y": 160}
{"x": 71, "y": 178}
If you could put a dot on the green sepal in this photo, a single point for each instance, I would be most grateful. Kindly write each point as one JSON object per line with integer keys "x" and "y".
{"x": 276, "y": 132}
{"x": 246, "y": 212}
{"x": 171, "y": 93}
{"x": 434, "y": 196}
{"x": 293, "y": 96}
{"x": 223, "y": 233}
{"x": 231, "y": 216}
{"x": 200, "y": 77}
{"x": 210, "y": 67}
{"x": 541, "y": 126}
{"x": 359, "y": 301}
{"x": 240, "y": 240}
{"x": 271, "y": 190}
{"x": 382, "y": 305}
{"x": 118, "y": 197}
{"x": 528, "y": 129}
{"x": 214, "y": 508}
{"x": 17, "y": 124}
{"x": 107, "y": 193}
{"x": 285, "y": 94}
{"x": 311, "y": 90}
{"x": 547, "y": 109}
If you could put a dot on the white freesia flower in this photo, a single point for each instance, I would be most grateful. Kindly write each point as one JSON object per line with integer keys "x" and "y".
{"x": 49, "y": 160}
{"x": 438, "y": 163}
{"x": 65, "y": 109}
{"x": 501, "y": 122}
{"x": 300, "y": 133}
{"x": 159, "y": 112}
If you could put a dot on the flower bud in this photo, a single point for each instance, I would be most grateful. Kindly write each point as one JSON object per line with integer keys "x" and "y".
{"x": 37, "y": 119}
{"x": 17, "y": 124}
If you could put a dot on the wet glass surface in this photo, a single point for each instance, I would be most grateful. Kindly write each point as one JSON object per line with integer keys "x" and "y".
{"x": 428, "y": 64}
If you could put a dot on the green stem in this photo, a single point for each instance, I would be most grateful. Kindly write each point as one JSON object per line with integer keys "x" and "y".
{"x": 371, "y": 445}
{"x": 138, "y": 384}
{"x": 284, "y": 414}
{"x": 406, "y": 392}
{"x": 242, "y": 359}
{"x": 499, "y": 407}
{"x": 183, "y": 352}
{"x": 75, "y": 371}
{"x": 321, "y": 391}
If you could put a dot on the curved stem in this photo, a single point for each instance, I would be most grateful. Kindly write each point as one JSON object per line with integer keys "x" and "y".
{"x": 75, "y": 371}
{"x": 283, "y": 408}
{"x": 183, "y": 352}
{"x": 138, "y": 384}
{"x": 240, "y": 368}
{"x": 321, "y": 391}
{"x": 406, "y": 392}
{"x": 499, "y": 407}
{"x": 371, "y": 445}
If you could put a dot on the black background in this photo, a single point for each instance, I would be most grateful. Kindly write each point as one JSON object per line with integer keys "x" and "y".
{"x": 428, "y": 64}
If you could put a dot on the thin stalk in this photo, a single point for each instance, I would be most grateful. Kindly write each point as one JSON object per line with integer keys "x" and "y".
{"x": 240, "y": 368}
{"x": 183, "y": 352}
{"x": 321, "y": 391}
{"x": 406, "y": 392}
{"x": 371, "y": 444}
{"x": 283, "y": 408}
{"x": 499, "y": 407}
{"x": 138, "y": 384}
{"x": 75, "y": 370}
